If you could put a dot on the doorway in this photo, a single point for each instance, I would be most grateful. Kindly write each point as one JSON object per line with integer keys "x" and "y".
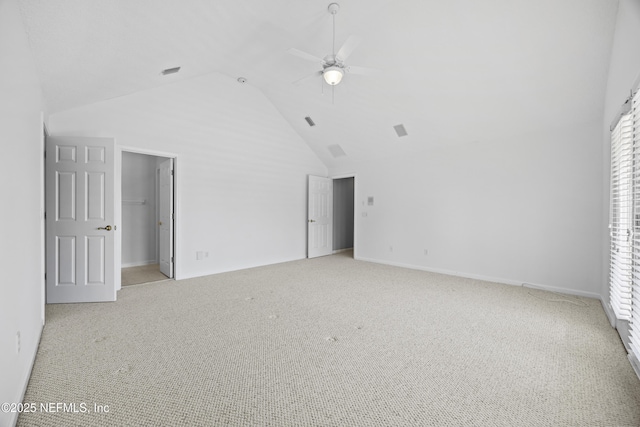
{"x": 147, "y": 218}
{"x": 343, "y": 215}
{"x": 330, "y": 216}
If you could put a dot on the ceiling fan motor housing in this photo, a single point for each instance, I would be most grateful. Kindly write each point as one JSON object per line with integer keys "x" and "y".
{"x": 332, "y": 60}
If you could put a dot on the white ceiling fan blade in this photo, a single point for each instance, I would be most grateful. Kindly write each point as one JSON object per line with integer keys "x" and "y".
{"x": 305, "y": 55}
{"x": 352, "y": 69}
{"x": 317, "y": 73}
{"x": 348, "y": 47}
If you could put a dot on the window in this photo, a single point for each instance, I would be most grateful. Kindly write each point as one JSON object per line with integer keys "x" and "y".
{"x": 624, "y": 225}
{"x": 620, "y": 215}
{"x": 634, "y": 321}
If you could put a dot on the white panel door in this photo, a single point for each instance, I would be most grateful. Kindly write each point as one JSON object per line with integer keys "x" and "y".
{"x": 165, "y": 225}
{"x": 320, "y": 217}
{"x": 80, "y": 211}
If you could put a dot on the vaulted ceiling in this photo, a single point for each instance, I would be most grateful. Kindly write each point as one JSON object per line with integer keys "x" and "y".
{"x": 451, "y": 71}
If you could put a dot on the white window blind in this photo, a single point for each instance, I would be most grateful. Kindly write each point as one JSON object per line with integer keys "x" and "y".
{"x": 621, "y": 222}
{"x": 634, "y": 322}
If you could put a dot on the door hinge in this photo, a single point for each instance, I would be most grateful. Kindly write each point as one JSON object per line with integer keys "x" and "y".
{"x": 45, "y": 215}
{"x": 171, "y": 171}
{"x": 172, "y": 260}
{"x": 173, "y": 216}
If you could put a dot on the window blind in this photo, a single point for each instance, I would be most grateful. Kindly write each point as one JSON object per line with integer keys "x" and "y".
{"x": 620, "y": 214}
{"x": 634, "y": 323}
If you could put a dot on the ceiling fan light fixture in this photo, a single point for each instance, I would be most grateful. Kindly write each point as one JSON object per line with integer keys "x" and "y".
{"x": 333, "y": 75}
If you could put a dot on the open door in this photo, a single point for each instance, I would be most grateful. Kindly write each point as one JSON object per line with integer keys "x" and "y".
{"x": 320, "y": 217}
{"x": 166, "y": 217}
{"x": 80, "y": 213}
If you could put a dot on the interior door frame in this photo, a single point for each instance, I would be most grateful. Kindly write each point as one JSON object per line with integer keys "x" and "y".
{"x": 177, "y": 243}
{"x": 43, "y": 218}
{"x": 355, "y": 208}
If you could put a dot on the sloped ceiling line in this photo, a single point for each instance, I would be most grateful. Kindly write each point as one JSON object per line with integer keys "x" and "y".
{"x": 501, "y": 67}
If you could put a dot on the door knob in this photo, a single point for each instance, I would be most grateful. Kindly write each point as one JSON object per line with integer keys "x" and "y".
{"x": 108, "y": 228}
{"x": 312, "y": 220}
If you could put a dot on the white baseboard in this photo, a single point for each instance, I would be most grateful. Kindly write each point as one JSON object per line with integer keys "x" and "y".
{"x": 557, "y": 289}
{"x": 25, "y": 381}
{"x": 635, "y": 363}
{"x": 622, "y": 328}
{"x": 139, "y": 263}
{"x": 609, "y": 312}
{"x": 567, "y": 291}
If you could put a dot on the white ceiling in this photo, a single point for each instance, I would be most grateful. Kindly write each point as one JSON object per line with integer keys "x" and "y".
{"x": 452, "y": 71}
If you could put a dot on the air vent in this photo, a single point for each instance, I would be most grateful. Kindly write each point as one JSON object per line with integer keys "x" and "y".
{"x": 170, "y": 71}
{"x": 336, "y": 150}
{"x": 308, "y": 119}
{"x": 400, "y": 130}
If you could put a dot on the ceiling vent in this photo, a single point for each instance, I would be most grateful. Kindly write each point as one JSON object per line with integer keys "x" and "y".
{"x": 336, "y": 151}
{"x": 311, "y": 122}
{"x": 170, "y": 71}
{"x": 400, "y": 130}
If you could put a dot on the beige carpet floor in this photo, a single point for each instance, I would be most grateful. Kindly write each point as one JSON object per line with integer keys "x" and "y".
{"x": 142, "y": 274}
{"x": 333, "y": 342}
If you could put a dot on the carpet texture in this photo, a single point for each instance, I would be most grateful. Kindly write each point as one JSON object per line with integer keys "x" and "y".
{"x": 142, "y": 274}
{"x": 333, "y": 342}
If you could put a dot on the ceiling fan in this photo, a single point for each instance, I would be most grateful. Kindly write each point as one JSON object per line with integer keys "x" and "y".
{"x": 333, "y": 65}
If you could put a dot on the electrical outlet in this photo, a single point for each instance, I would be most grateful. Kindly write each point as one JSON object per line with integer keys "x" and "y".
{"x": 18, "y": 342}
{"x": 426, "y": 251}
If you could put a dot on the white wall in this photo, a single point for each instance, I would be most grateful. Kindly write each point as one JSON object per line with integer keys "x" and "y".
{"x": 138, "y": 226}
{"x": 624, "y": 68}
{"x": 525, "y": 209}
{"x": 241, "y": 169}
{"x": 21, "y": 216}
